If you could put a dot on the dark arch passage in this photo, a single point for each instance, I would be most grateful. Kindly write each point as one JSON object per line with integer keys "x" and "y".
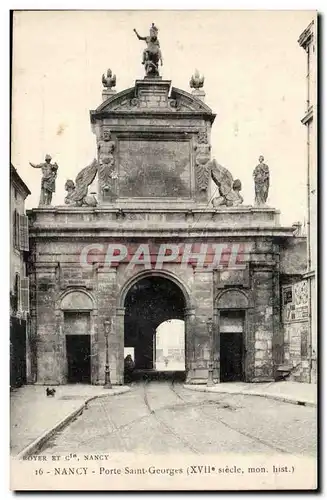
{"x": 148, "y": 303}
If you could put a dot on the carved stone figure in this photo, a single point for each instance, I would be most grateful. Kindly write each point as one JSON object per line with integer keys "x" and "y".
{"x": 48, "y": 182}
{"x": 261, "y": 182}
{"x": 152, "y": 54}
{"x": 196, "y": 81}
{"x": 109, "y": 81}
{"x": 228, "y": 188}
{"x": 77, "y": 193}
{"x": 106, "y": 135}
{"x": 106, "y": 170}
{"x": 202, "y": 158}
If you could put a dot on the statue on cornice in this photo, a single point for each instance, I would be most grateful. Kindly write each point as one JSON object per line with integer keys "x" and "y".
{"x": 48, "y": 182}
{"x": 228, "y": 188}
{"x": 152, "y": 54}
{"x": 261, "y": 182}
{"x": 77, "y": 193}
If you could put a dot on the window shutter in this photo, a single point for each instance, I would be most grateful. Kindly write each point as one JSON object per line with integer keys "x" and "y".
{"x": 24, "y": 295}
{"x": 23, "y": 233}
{"x": 16, "y": 229}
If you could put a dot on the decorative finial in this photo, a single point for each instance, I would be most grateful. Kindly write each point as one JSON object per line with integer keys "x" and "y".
{"x": 109, "y": 81}
{"x": 196, "y": 81}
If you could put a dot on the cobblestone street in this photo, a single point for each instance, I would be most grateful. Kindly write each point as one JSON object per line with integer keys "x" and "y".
{"x": 164, "y": 417}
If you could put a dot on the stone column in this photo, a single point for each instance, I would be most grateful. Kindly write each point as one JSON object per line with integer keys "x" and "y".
{"x": 31, "y": 353}
{"x": 278, "y": 336}
{"x": 120, "y": 323}
{"x": 263, "y": 323}
{"x": 203, "y": 298}
{"x": 216, "y": 343}
{"x": 107, "y": 285}
{"x": 49, "y": 342}
{"x": 189, "y": 343}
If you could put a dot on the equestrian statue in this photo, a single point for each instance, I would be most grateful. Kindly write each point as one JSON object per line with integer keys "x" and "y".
{"x": 152, "y": 54}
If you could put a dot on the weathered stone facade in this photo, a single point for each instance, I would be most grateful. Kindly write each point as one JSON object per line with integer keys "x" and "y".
{"x": 295, "y": 309}
{"x": 308, "y": 41}
{"x": 19, "y": 291}
{"x": 227, "y": 266}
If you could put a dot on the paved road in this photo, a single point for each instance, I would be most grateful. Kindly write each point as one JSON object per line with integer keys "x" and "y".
{"x": 163, "y": 417}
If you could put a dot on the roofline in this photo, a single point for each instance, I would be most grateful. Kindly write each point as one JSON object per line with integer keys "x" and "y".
{"x": 14, "y": 176}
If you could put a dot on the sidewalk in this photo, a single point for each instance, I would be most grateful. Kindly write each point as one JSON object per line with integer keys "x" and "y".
{"x": 289, "y": 392}
{"x": 34, "y": 417}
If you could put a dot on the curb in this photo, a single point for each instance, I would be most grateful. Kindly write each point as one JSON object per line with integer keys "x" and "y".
{"x": 284, "y": 399}
{"x": 41, "y": 440}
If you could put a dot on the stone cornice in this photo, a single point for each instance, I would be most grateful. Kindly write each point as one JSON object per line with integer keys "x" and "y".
{"x": 96, "y": 115}
{"x": 165, "y": 207}
{"x": 306, "y": 36}
{"x": 150, "y": 220}
{"x": 167, "y": 232}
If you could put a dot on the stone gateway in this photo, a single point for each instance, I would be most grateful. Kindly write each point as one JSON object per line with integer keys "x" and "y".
{"x": 219, "y": 268}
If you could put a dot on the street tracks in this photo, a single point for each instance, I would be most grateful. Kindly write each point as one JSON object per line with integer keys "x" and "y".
{"x": 167, "y": 427}
{"x": 156, "y": 412}
{"x": 240, "y": 431}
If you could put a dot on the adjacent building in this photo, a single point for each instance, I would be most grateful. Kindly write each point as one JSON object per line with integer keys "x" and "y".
{"x": 19, "y": 289}
{"x": 308, "y": 41}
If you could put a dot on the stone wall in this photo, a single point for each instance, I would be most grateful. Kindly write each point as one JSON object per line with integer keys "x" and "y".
{"x": 56, "y": 269}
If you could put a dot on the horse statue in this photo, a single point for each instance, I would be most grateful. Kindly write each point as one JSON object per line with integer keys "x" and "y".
{"x": 152, "y": 54}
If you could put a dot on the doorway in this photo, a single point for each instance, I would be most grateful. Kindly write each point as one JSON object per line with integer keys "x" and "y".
{"x": 78, "y": 358}
{"x": 231, "y": 346}
{"x": 17, "y": 352}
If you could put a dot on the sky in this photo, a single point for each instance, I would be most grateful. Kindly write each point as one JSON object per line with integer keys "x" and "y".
{"x": 255, "y": 81}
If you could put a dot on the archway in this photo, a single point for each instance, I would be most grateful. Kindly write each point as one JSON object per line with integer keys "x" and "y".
{"x": 149, "y": 302}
